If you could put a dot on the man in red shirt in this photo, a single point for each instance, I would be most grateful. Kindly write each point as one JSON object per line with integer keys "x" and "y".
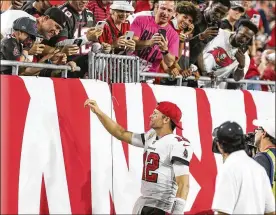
{"x": 100, "y": 9}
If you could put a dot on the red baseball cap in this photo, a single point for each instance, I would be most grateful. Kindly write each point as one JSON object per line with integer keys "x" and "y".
{"x": 172, "y": 111}
{"x": 56, "y": 2}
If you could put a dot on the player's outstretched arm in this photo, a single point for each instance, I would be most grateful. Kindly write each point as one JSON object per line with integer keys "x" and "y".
{"x": 112, "y": 127}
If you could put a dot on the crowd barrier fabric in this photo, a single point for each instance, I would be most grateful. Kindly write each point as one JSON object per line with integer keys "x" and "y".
{"x": 56, "y": 157}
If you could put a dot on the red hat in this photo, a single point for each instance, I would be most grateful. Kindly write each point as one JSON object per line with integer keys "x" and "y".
{"x": 172, "y": 111}
{"x": 56, "y": 2}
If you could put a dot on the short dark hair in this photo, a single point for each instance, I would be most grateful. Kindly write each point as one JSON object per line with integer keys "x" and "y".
{"x": 247, "y": 23}
{"x": 229, "y": 147}
{"x": 173, "y": 126}
{"x": 190, "y": 9}
{"x": 223, "y": 2}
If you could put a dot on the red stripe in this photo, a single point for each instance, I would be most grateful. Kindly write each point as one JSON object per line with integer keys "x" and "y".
{"x": 15, "y": 101}
{"x": 204, "y": 171}
{"x": 74, "y": 122}
{"x": 44, "y": 209}
{"x": 120, "y": 108}
{"x": 149, "y": 104}
{"x": 112, "y": 207}
{"x": 250, "y": 111}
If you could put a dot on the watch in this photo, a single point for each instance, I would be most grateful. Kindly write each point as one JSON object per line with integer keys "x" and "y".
{"x": 165, "y": 52}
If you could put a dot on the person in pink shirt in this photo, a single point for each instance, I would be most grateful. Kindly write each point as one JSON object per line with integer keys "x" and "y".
{"x": 152, "y": 46}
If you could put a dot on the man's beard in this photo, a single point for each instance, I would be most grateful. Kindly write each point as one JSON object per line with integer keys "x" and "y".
{"x": 234, "y": 42}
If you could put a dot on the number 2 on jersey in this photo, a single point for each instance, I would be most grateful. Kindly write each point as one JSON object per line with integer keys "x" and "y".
{"x": 151, "y": 163}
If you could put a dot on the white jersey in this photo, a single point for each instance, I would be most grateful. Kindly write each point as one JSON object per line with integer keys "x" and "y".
{"x": 8, "y": 17}
{"x": 131, "y": 18}
{"x": 158, "y": 180}
{"x": 219, "y": 56}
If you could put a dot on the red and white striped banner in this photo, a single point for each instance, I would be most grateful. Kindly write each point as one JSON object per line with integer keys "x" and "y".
{"x": 56, "y": 157}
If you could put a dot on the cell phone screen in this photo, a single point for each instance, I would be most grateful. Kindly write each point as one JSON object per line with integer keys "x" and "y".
{"x": 162, "y": 32}
{"x": 77, "y": 42}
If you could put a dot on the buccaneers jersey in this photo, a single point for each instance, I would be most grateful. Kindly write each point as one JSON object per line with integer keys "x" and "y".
{"x": 158, "y": 180}
{"x": 77, "y": 25}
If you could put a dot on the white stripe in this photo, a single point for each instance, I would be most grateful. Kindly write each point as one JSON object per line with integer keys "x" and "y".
{"x": 101, "y": 157}
{"x": 42, "y": 152}
{"x": 226, "y": 105}
{"x": 135, "y": 122}
{"x": 265, "y": 104}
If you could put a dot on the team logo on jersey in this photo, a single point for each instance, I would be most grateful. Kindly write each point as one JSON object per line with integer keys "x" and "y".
{"x": 15, "y": 51}
{"x": 185, "y": 153}
{"x": 221, "y": 57}
{"x": 151, "y": 135}
{"x": 89, "y": 18}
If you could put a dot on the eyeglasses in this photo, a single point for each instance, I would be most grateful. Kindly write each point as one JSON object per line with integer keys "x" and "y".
{"x": 258, "y": 129}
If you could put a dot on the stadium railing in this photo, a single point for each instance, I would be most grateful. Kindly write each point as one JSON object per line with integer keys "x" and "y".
{"x": 114, "y": 68}
{"x": 15, "y": 66}
{"x": 126, "y": 69}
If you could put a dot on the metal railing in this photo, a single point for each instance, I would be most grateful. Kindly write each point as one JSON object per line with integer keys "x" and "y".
{"x": 113, "y": 68}
{"x": 15, "y": 66}
{"x": 125, "y": 69}
{"x": 214, "y": 82}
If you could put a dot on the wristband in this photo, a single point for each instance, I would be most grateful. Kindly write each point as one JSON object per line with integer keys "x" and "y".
{"x": 179, "y": 206}
{"x": 165, "y": 52}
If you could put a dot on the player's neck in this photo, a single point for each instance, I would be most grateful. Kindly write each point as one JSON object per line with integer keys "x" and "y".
{"x": 162, "y": 132}
{"x": 224, "y": 157}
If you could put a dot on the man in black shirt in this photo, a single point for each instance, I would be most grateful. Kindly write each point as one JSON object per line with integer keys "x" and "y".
{"x": 79, "y": 25}
{"x": 207, "y": 29}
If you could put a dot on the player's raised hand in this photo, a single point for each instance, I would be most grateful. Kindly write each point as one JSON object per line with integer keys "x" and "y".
{"x": 93, "y": 106}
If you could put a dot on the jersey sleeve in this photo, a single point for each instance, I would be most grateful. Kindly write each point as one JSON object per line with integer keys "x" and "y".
{"x": 138, "y": 140}
{"x": 181, "y": 151}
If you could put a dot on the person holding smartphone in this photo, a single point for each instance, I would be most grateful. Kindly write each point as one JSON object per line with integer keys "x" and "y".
{"x": 153, "y": 45}
{"x": 208, "y": 28}
{"x": 224, "y": 56}
{"x": 187, "y": 15}
{"x": 116, "y": 28}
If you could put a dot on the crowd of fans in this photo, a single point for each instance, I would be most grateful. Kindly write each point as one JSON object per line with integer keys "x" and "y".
{"x": 219, "y": 38}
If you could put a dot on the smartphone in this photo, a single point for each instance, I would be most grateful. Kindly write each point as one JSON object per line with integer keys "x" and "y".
{"x": 162, "y": 32}
{"x": 77, "y": 42}
{"x": 244, "y": 48}
{"x": 100, "y": 24}
{"x": 129, "y": 35}
{"x": 256, "y": 19}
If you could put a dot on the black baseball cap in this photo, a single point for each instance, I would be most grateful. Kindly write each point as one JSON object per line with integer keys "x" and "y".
{"x": 237, "y": 4}
{"x": 26, "y": 25}
{"x": 57, "y": 15}
{"x": 229, "y": 132}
